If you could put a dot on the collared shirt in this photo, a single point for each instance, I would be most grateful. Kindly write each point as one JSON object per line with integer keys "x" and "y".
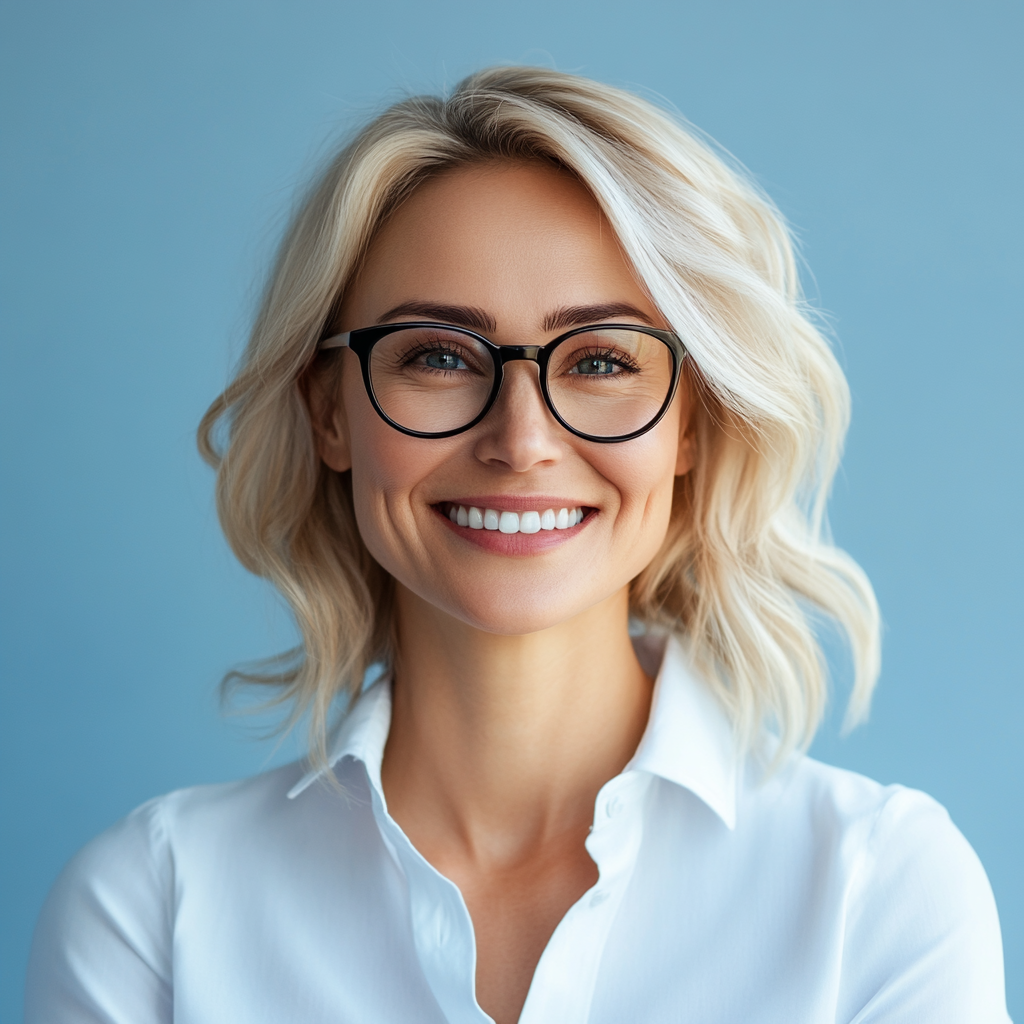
{"x": 812, "y": 895}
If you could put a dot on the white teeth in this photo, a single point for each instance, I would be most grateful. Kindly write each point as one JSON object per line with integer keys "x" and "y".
{"x": 529, "y": 522}
{"x": 515, "y": 522}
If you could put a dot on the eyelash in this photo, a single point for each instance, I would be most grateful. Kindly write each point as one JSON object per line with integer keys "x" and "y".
{"x": 427, "y": 348}
{"x": 608, "y": 356}
{"x": 605, "y": 355}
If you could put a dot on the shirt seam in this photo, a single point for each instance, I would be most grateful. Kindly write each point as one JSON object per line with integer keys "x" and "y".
{"x": 161, "y": 836}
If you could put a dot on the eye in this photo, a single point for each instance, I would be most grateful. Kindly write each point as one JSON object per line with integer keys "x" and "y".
{"x": 601, "y": 362}
{"x": 444, "y": 361}
{"x": 595, "y": 367}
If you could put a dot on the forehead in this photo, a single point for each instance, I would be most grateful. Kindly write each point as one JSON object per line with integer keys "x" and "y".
{"x": 514, "y": 238}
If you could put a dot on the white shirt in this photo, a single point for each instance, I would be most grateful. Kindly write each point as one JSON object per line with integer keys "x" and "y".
{"x": 814, "y": 896}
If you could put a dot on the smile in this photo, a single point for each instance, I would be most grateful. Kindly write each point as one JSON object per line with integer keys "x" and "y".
{"x": 504, "y": 521}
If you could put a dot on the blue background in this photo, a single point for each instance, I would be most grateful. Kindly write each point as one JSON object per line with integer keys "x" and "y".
{"x": 150, "y": 153}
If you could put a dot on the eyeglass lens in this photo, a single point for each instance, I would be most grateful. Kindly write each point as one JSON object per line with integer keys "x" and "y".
{"x": 607, "y": 382}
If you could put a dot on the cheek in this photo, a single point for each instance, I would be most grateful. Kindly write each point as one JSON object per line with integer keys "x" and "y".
{"x": 383, "y": 460}
{"x": 381, "y": 465}
{"x": 643, "y": 472}
{"x": 647, "y": 509}
{"x": 387, "y": 467}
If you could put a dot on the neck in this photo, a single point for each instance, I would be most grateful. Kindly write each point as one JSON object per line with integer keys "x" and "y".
{"x": 501, "y": 743}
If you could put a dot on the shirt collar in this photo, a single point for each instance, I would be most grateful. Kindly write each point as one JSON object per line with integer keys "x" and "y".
{"x": 362, "y": 735}
{"x": 688, "y": 740}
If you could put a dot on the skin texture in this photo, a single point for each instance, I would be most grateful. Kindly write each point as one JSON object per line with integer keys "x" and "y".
{"x": 517, "y": 694}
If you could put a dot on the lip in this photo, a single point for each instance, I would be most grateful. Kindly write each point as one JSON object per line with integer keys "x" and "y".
{"x": 514, "y": 543}
{"x": 516, "y": 502}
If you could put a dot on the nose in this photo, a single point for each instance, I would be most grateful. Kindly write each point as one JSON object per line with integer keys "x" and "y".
{"x": 519, "y": 432}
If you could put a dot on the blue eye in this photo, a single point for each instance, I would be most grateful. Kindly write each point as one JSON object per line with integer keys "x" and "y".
{"x": 444, "y": 361}
{"x": 594, "y": 367}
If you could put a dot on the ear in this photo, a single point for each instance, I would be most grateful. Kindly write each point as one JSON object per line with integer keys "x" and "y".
{"x": 323, "y": 392}
{"x": 686, "y": 453}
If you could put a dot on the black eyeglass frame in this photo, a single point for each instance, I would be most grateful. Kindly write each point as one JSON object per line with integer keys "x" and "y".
{"x": 362, "y": 341}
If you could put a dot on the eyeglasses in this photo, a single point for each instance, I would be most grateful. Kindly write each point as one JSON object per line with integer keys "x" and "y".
{"x": 609, "y": 382}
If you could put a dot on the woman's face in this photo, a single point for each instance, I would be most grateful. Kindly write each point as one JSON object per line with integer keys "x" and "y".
{"x": 521, "y": 253}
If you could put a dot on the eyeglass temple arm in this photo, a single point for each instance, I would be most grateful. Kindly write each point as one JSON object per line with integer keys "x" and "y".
{"x": 336, "y": 341}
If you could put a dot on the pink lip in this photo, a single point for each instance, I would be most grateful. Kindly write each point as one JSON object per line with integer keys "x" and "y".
{"x": 517, "y": 502}
{"x": 514, "y": 543}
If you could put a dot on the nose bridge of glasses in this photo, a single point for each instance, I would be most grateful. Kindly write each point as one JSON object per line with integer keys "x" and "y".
{"x": 510, "y": 353}
{"x": 519, "y": 397}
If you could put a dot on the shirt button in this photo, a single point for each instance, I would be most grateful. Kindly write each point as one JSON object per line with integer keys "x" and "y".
{"x": 598, "y": 898}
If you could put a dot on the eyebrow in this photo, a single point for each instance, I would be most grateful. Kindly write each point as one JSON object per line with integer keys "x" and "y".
{"x": 574, "y": 316}
{"x": 459, "y": 316}
{"x": 477, "y": 319}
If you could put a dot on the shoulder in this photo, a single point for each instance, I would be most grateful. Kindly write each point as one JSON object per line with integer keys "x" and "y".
{"x": 229, "y": 812}
{"x": 897, "y": 845}
{"x": 146, "y": 848}
{"x": 105, "y": 932}
{"x": 843, "y": 807}
{"x": 872, "y": 836}
{"x": 878, "y": 827}
{"x": 920, "y": 924}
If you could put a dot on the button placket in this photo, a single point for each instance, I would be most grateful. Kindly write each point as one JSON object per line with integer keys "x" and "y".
{"x": 563, "y": 984}
{"x": 443, "y": 934}
{"x": 441, "y": 927}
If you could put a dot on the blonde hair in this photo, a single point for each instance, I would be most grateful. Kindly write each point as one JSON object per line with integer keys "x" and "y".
{"x": 746, "y": 559}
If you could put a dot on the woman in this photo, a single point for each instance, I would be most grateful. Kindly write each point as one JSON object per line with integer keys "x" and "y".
{"x": 533, "y": 415}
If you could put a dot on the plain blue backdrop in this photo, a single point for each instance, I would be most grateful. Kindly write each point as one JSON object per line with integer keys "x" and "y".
{"x": 150, "y": 152}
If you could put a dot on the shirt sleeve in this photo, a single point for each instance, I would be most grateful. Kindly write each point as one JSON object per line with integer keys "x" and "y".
{"x": 922, "y": 936}
{"x": 101, "y": 953}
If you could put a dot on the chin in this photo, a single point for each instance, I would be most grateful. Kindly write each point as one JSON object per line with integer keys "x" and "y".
{"x": 513, "y": 613}
{"x": 515, "y": 624}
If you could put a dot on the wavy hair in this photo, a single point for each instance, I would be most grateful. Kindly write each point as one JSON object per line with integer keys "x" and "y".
{"x": 747, "y": 562}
